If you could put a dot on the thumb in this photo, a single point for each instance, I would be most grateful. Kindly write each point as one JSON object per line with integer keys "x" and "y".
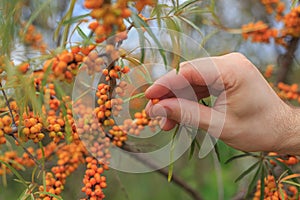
{"x": 182, "y": 111}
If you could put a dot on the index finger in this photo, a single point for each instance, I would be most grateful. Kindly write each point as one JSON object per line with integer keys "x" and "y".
{"x": 199, "y": 72}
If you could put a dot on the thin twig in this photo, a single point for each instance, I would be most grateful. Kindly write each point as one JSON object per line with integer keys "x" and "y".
{"x": 164, "y": 172}
{"x": 26, "y": 151}
{"x": 15, "y": 130}
{"x": 8, "y": 106}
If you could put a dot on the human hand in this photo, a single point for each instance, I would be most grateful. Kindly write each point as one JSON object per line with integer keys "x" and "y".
{"x": 247, "y": 114}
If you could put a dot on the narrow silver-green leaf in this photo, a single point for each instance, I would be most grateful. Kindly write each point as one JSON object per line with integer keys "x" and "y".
{"x": 15, "y": 172}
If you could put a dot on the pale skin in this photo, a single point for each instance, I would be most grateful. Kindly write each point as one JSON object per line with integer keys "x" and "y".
{"x": 255, "y": 118}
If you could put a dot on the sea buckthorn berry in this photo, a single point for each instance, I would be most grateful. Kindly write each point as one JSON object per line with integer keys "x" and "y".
{"x": 154, "y": 101}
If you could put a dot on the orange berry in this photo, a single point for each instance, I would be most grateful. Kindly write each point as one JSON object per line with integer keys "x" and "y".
{"x": 23, "y": 68}
{"x": 154, "y": 101}
{"x": 93, "y": 25}
{"x": 138, "y": 115}
{"x": 26, "y": 131}
{"x": 7, "y": 120}
{"x": 126, "y": 13}
{"x": 2, "y": 140}
{"x": 7, "y": 129}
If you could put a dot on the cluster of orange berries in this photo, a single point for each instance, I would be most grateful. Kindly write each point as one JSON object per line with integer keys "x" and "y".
{"x": 94, "y": 182}
{"x": 275, "y": 191}
{"x": 108, "y": 18}
{"x": 271, "y": 191}
{"x": 119, "y": 135}
{"x": 103, "y": 111}
{"x": 292, "y": 23}
{"x": 289, "y": 92}
{"x": 66, "y": 64}
{"x": 2, "y": 64}
{"x": 286, "y": 159}
{"x": 261, "y": 32}
{"x": 11, "y": 158}
{"x": 32, "y": 38}
{"x": 114, "y": 73}
{"x": 50, "y": 97}
{"x": 32, "y": 128}
{"x": 135, "y": 126}
{"x": 108, "y": 108}
{"x": 93, "y": 62}
{"x": 274, "y": 6}
{"x": 47, "y": 151}
{"x": 258, "y": 32}
{"x": 92, "y": 135}
{"x": 284, "y": 91}
{"x": 69, "y": 158}
{"x": 53, "y": 186}
{"x": 5, "y": 128}
{"x": 55, "y": 128}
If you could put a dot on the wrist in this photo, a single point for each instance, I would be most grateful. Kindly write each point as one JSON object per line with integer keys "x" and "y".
{"x": 289, "y": 132}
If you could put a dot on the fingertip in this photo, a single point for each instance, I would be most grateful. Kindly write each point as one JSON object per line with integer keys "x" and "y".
{"x": 152, "y": 92}
{"x": 167, "y": 124}
{"x": 148, "y": 107}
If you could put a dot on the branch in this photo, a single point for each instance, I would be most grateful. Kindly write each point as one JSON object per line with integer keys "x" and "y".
{"x": 285, "y": 60}
{"x": 175, "y": 179}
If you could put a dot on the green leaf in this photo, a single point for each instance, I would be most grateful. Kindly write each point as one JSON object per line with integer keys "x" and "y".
{"x": 81, "y": 33}
{"x": 66, "y": 30}
{"x": 157, "y": 11}
{"x": 43, "y": 153}
{"x": 135, "y": 61}
{"x": 282, "y": 165}
{"x": 142, "y": 43}
{"x": 247, "y": 171}
{"x": 172, "y": 24}
{"x": 44, "y": 181}
{"x": 192, "y": 148}
{"x": 75, "y": 19}
{"x": 291, "y": 183}
{"x": 194, "y": 26}
{"x": 15, "y": 172}
{"x": 184, "y": 5}
{"x": 171, "y": 166}
{"x": 139, "y": 95}
{"x": 175, "y": 38}
{"x": 24, "y": 195}
{"x": 294, "y": 3}
{"x": 238, "y": 156}
{"x": 51, "y": 195}
{"x": 254, "y": 180}
{"x": 262, "y": 185}
{"x": 207, "y": 37}
{"x": 216, "y": 148}
{"x": 139, "y": 22}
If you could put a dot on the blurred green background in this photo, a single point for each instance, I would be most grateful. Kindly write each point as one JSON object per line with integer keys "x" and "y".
{"x": 213, "y": 179}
